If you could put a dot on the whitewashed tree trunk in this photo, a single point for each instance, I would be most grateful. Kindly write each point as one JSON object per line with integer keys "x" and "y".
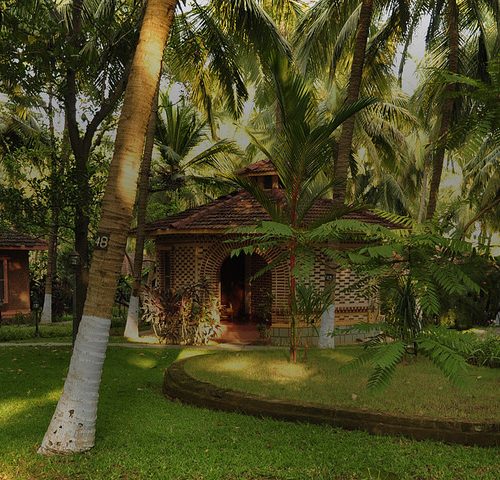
{"x": 132, "y": 325}
{"x": 327, "y": 325}
{"x": 46, "y": 316}
{"x": 72, "y": 428}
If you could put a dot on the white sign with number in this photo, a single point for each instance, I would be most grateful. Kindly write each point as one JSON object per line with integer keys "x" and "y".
{"x": 102, "y": 241}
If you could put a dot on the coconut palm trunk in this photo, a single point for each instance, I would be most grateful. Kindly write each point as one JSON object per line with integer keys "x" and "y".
{"x": 447, "y": 109}
{"x": 72, "y": 428}
{"x": 132, "y": 325}
{"x": 341, "y": 165}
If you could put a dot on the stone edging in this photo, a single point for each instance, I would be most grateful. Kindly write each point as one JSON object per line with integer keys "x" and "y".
{"x": 180, "y": 385}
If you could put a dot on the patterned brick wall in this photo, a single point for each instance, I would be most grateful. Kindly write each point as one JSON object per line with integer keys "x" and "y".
{"x": 186, "y": 259}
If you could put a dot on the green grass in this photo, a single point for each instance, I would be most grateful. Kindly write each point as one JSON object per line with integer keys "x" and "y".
{"x": 418, "y": 388}
{"x": 141, "y": 435}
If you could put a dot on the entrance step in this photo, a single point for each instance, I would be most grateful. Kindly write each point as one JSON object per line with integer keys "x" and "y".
{"x": 241, "y": 334}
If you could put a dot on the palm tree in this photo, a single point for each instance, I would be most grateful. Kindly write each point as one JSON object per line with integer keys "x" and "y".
{"x": 452, "y": 26}
{"x": 178, "y": 172}
{"x": 72, "y": 428}
{"x": 322, "y": 39}
{"x": 202, "y": 54}
{"x": 447, "y": 108}
{"x": 300, "y": 150}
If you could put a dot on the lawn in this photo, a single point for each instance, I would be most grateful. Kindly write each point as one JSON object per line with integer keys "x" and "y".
{"x": 141, "y": 435}
{"x": 418, "y": 387}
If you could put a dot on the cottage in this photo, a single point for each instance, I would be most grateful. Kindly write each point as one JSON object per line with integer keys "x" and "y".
{"x": 192, "y": 246}
{"x": 14, "y": 271}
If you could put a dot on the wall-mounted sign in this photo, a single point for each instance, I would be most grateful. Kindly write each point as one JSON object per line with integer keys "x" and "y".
{"x": 102, "y": 241}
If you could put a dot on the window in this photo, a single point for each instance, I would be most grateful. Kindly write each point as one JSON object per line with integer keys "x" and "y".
{"x": 3, "y": 281}
{"x": 268, "y": 182}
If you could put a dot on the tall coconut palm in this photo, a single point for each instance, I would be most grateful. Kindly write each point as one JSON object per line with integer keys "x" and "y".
{"x": 178, "y": 133}
{"x": 452, "y": 38}
{"x": 72, "y": 428}
{"x": 452, "y": 25}
{"x": 202, "y": 54}
{"x": 323, "y": 35}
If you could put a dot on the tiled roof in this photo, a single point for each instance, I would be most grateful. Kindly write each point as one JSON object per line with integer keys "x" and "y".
{"x": 241, "y": 209}
{"x": 11, "y": 240}
{"x": 261, "y": 167}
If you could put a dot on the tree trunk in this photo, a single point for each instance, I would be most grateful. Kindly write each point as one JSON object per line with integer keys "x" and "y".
{"x": 46, "y": 315}
{"x": 72, "y": 428}
{"x": 132, "y": 325}
{"x": 341, "y": 165}
{"x": 447, "y": 109}
{"x": 82, "y": 222}
{"x": 81, "y": 146}
{"x": 425, "y": 188}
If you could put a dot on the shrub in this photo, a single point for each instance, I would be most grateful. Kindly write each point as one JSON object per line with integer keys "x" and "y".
{"x": 10, "y": 333}
{"x": 189, "y": 316}
{"x": 484, "y": 351}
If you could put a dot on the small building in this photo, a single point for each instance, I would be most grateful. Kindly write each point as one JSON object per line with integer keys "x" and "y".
{"x": 195, "y": 245}
{"x": 14, "y": 271}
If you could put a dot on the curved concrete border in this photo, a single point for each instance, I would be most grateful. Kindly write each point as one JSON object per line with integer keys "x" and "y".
{"x": 180, "y": 385}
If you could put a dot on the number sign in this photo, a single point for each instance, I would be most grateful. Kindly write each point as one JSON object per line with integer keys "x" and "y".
{"x": 102, "y": 241}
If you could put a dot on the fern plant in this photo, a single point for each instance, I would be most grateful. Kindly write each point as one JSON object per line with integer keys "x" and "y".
{"x": 414, "y": 269}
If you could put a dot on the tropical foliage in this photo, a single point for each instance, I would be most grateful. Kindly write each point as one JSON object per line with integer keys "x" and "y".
{"x": 189, "y": 316}
{"x": 311, "y": 86}
{"x": 414, "y": 270}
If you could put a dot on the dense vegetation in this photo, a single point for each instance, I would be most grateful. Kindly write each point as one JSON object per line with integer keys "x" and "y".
{"x": 207, "y": 87}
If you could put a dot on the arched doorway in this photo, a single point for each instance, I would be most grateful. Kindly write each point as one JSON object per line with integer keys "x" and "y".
{"x": 245, "y": 299}
{"x": 232, "y": 289}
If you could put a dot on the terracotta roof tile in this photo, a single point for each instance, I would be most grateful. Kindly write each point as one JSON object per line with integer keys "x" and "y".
{"x": 12, "y": 240}
{"x": 241, "y": 209}
{"x": 258, "y": 168}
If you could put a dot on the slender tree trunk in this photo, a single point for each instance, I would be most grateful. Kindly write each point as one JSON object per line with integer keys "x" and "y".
{"x": 293, "y": 309}
{"x": 425, "y": 189}
{"x": 72, "y": 428}
{"x": 46, "y": 316}
{"x": 132, "y": 325}
{"x": 82, "y": 222}
{"x": 447, "y": 109}
{"x": 341, "y": 165}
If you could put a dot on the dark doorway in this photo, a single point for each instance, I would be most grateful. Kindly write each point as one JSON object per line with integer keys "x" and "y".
{"x": 232, "y": 280}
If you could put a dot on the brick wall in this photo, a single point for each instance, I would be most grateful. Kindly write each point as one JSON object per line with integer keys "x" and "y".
{"x": 18, "y": 282}
{"x": 186, "y": 259}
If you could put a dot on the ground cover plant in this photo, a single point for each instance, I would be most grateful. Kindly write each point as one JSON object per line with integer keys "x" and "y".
{"x": 416, "y": 389}
{"x": 143, "y": 435}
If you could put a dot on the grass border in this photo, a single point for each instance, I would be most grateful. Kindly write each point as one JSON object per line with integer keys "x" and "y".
{"x": 178, "y": 384}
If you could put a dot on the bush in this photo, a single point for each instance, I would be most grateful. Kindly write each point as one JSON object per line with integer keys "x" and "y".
{"x": 10, "y": 333}
{"x": 189, "y": 316}
{"x": 482, "y": 350}
{"x": 485, "y": 352}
